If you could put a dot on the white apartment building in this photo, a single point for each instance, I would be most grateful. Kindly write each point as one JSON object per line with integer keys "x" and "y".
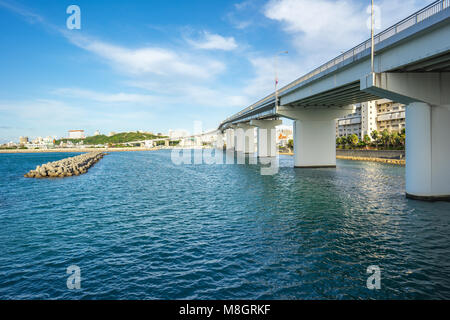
{"x": 391, "y": 116}
{"x": 372, "y": 115}
{"x": 76, "y": 134}
{"x": 284, "y": 133}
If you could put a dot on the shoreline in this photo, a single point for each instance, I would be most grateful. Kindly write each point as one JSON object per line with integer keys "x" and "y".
{"x": 72, "y": 150}
{"x": 382, "y": 160}
{"x": 85, "y": 150}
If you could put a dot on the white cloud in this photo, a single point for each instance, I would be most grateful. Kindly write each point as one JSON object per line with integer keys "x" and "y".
{"x": 325, "y": 28}
{"x": 212, "y": 41}
{"x": 320, "y": 25}
{"x": 104, "y": 97}
{"x": 263, "y": 81}
{"x": 30, "y": 16}
{"x": 43, "y": 117}
{"x": 150, "y": 60}
{"x": 200, "y": 95}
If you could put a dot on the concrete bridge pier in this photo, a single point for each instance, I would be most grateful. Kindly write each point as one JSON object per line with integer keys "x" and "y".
{"x": 218, "y": 144}
{"x": 229, "y": 139}
{"x": 428, "y": 151}
{"x": 239, "y": 139}
{"x": 245, "y": 142}
{"x": 314, "y": 135}
{"x": 267, "y": 137}
{"x": 427, "y": 98}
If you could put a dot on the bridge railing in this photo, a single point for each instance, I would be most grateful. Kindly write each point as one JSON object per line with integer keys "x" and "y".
{"x": 406, "y": 23}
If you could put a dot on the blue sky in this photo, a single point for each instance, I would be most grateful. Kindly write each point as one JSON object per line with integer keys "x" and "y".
{"x": 160, "y": 65}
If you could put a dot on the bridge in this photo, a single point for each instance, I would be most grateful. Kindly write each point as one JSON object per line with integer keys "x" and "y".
{"x": 150, "y": 142}
{"x": 198, "y": 139}
{"x": 192, "y": 140}
{"x": 411, "y": 66}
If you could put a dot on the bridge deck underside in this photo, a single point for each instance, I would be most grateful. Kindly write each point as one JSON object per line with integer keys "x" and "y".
{"x": 338, "y": 97}
{"x": 439, "y": 63}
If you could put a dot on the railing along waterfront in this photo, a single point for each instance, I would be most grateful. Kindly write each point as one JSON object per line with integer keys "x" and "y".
{"x": 406, "y": 23}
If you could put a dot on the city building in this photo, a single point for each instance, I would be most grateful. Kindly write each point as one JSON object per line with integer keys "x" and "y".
{"x": 76, "y": 134}
{"x": 372, "y": 115}
{"x": 41, "y": 143}
{"x": 96, "y": 133}
{"x": 284, "y": 134}
{"x": 23, "y": 140}
{"x": 391, "y": 116}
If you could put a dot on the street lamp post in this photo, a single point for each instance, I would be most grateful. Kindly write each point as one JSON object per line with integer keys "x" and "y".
{"x": 276, "y": 78}
{"x": 372, "y": 49}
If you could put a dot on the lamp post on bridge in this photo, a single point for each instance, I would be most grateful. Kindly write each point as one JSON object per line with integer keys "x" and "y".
{"x": 276, "y": 78}
{"x": 372, "y": 49}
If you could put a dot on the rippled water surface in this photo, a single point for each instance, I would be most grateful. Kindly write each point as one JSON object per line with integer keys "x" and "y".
{"x": 141, "y": 227}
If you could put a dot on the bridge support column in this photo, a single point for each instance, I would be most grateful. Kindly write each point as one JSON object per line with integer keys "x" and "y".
{"x": 245, "y": 138}
{"x": 314, "y": 144}
{"x": 315, "y": 135}
{"x": 427, "y": 151}
{"x": 267, "y": 137}
{"x": 229, "y": 139}
{"x": 219, "y": 141}
{"x": 239, "y": 139}
{"x": 427, "y": 127}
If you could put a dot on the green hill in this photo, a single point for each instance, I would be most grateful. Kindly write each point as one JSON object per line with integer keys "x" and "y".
{"x": 115, "y": 139}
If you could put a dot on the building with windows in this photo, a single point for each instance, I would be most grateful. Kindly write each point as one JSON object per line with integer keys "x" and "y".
{"x": 23, "y": 140}
{"x": 391, "y": 116}
{"x": 368, "y": 116}
{"x": 284, "y": 134}
{"x": 76, "y": 134}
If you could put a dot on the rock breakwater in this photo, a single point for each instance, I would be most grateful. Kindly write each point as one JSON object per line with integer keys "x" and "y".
{"x": 391, "y": 161}
{"x": 68, "y": 167}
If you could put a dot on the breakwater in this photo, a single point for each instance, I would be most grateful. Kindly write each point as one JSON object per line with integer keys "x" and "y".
{"x": 383, "y": 156}
{"x": 380, "y": 154}
{"x": 382, "y": 160}
{"x": 68, "y": 167}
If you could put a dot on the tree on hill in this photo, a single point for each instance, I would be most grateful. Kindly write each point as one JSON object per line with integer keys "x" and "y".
{"x": 118, "y": 138}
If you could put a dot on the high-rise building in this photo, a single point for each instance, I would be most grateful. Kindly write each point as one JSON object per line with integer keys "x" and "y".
{"x": 391, "y": 116}
{"x": 368, "y": 118}
{"x": 377, "y": 115}
{"x": 350, "y": 124}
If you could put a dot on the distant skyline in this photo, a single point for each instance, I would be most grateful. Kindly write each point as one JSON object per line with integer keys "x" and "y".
{"x": 160, "y": 65}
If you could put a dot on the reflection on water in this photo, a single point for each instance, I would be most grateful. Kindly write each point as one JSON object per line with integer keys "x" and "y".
{"x": 140, "y": 226}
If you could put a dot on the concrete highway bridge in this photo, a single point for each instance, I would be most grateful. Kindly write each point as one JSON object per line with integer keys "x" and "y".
{"x": 151, "y": 143}
{"x": 193, "y": 140}
{"x": 197, "y": 140}
{"x": 411, "y": 66}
